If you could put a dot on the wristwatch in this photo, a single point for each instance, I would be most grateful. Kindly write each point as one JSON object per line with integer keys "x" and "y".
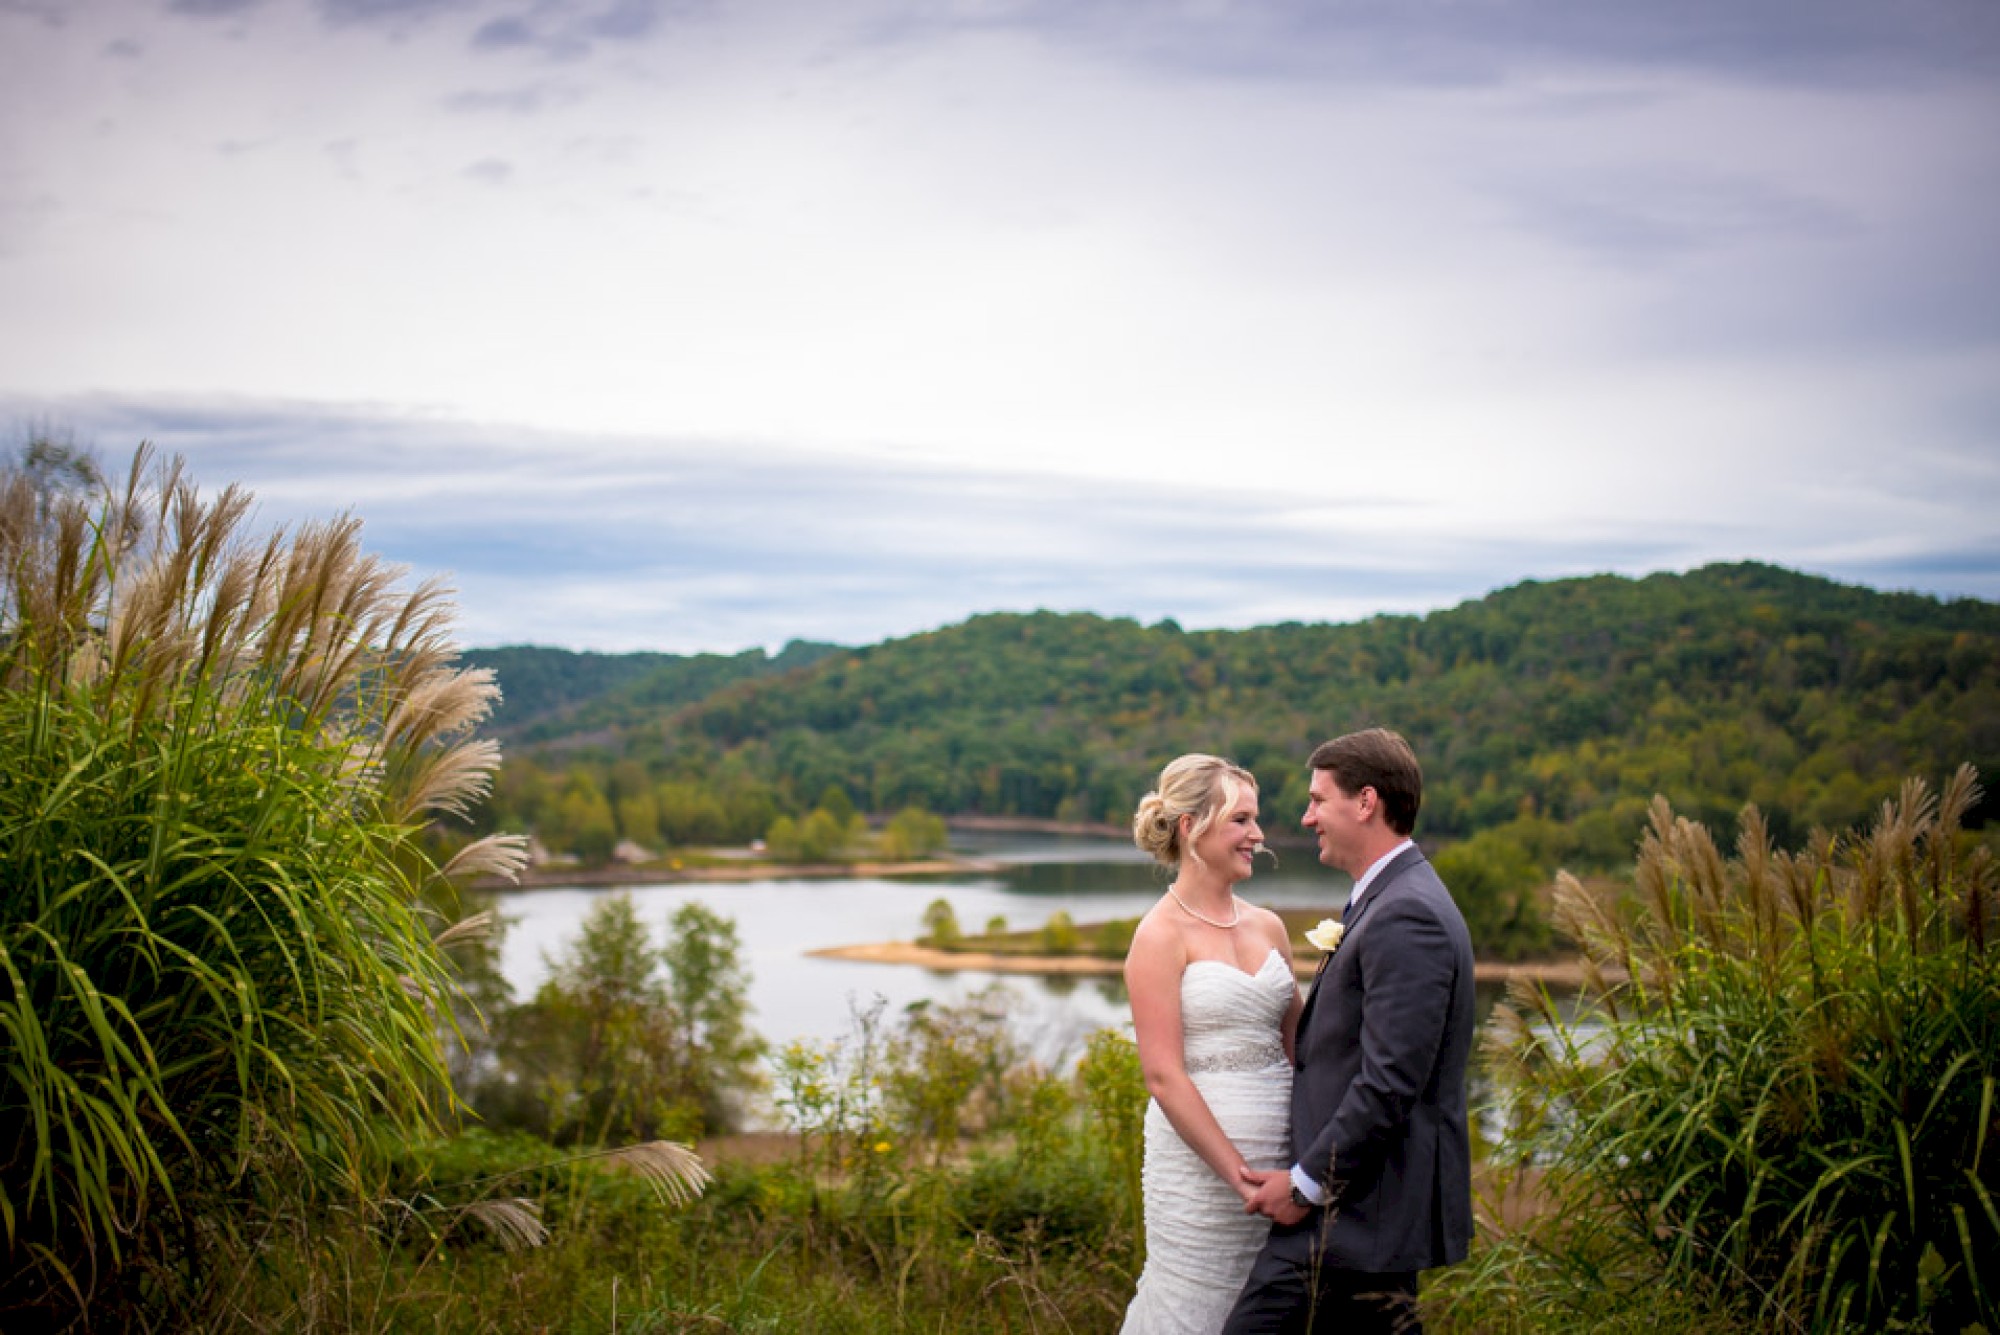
{"x": 1300, "y": 1199}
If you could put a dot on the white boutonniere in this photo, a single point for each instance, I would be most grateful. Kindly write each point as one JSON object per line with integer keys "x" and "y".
{"x": 1326, "y": 937}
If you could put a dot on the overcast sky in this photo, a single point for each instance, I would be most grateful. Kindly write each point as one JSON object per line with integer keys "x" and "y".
{"x": 708, "y": 325}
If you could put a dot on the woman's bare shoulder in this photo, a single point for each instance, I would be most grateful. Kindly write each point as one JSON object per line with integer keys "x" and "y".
{"x": 1271, "y": 927}
{"x": 1157, "y": 942}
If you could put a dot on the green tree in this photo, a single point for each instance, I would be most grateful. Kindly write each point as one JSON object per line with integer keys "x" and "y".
{"x": 54, "y": 466}
{"x": 690, "y": 814}
{"x": 1495, "y": 880}
{"x": 782, "y": 839}
{"x": 1059, "y": 935}
{"x": 582, "y": 821}
{"x": 220, "y": 982}
{"x": 638, "y": 819}
{"x": 941, "y": 925}
{"x": 836, "y": 803}
{"x": 912, "y": 833}
{"x": 708, "y": 988}
{"x": 631, "y": 1038}
{"x": 597, "y": 1047}
{"x": 821, "y": 836}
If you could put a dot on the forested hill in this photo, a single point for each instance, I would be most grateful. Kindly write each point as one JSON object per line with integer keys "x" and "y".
{"x": 555, "y": 693}
{"x": 1567, "y": 703}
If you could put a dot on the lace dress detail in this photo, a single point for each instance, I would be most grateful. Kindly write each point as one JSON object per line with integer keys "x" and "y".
{"x": 1199, "y": 1243}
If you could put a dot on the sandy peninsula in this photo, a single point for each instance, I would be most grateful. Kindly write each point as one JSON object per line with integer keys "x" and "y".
{"x": 1563, "y": 974}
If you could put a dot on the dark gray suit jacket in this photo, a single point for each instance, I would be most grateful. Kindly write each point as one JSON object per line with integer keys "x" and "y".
{"x": 1380, "y": 1088}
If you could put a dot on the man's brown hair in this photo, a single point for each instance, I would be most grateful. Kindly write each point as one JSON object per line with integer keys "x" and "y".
{"x": 1379, "y": 759}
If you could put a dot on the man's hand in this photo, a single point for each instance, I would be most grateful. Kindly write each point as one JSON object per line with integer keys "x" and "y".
{"x": 1271, "y": 1195}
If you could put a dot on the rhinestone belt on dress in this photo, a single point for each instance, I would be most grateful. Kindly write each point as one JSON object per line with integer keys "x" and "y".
{"x": 1250, "y": 1057}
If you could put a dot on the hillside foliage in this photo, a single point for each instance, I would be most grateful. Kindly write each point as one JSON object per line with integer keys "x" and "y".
{"x": 1548, "y": 715}
{"x": 563, "y": 696}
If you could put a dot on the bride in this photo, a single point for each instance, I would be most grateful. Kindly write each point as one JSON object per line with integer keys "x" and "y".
{"x": 1214, "y": 1007}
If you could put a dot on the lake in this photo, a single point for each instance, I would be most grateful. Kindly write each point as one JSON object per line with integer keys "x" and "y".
{"x": 779, "y": 919}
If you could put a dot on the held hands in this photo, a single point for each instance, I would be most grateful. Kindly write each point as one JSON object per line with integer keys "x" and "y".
{"x": 1269, "y": 1194}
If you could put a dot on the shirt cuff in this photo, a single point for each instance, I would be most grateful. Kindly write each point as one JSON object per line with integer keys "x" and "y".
{"x": 1308, "y": 1188}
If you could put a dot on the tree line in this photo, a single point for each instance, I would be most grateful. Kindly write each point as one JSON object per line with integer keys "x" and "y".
{"x": 1548, "y": 715}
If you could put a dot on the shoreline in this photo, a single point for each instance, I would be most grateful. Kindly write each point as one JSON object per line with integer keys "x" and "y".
{"x": 1036, "y": 825}
{"x": 1566, "y": 974}
{"x": 591, "y": 878}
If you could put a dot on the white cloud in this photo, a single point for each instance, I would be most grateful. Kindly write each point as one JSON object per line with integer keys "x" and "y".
{"x": 1541, "y": 289}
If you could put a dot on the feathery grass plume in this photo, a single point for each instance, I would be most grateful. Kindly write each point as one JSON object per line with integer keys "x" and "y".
{"x": 218, "y": 979}
{"x": 1960, "y": 794}
{"x": 1865, "y": 890}
{"x": 1796, "y": 1113}
{"x": 1661, "y": 932}
{"x": 1915, "y": 820}
{"x": 674, "y": 1170}
{"x": 1754, "y": 855}
{"x": 515, "y": 1222}
{"x": 450, "y": 779}
{"x": 1707, "y": 884}
{"x": 1802, "y": 894}
{"x": 1980, "y": 909}
{"x": 501, "y": 855}
{"x": 1589, "y": 918}
{"x": 477, "y": 927}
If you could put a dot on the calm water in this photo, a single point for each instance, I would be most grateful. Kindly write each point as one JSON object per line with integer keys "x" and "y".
{"x": 779, "y": 920}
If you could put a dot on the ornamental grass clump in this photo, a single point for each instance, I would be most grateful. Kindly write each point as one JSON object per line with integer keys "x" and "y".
{"x": 1780, "y": 1084}
{"x": 219, "y": 989}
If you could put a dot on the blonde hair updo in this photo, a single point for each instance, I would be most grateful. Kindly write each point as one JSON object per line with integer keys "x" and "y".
{"x": 1195, "y": 785}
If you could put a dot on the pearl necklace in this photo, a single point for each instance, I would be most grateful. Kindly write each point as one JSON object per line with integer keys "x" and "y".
{"x": 1235, "y": 911}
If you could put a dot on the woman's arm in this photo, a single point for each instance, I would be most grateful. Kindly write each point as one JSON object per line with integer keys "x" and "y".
{"x": 1281, "y": 941}
{"x": 1153, "y": 968}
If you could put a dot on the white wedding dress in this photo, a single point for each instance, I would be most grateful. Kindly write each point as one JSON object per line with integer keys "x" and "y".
{"x": 1199, "y": 1243}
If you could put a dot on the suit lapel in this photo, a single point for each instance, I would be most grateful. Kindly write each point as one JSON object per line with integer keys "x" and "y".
{"x": 1349, "y": 921}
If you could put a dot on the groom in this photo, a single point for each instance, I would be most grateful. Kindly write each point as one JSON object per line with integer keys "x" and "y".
{"x": 1382, "y": 1184}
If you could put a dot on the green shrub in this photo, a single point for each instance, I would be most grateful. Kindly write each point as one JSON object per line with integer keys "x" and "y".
{"x": 947, "y": 1070}
{"x": 1113, "y": 939}
{"x": 912, "y": 833}
{"x": 941, "y": 925}
{"x": 1114, "y": 1091}
{"x": 1059, "y": 936}
{"x": 1783, "y": 1083}
{"x": 782, "y": 839}
{"x": 1066, "y": 1201}
{"x": 1495, "y": 881}
{"x": 818, "y": 837}
{"x": 218, "y": 980}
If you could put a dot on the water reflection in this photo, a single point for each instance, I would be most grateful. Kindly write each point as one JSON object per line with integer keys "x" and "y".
{"x": 796, "y": 996}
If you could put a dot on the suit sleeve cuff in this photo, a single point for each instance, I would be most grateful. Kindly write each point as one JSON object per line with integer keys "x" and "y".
{"x": 1308, "y": 1188}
